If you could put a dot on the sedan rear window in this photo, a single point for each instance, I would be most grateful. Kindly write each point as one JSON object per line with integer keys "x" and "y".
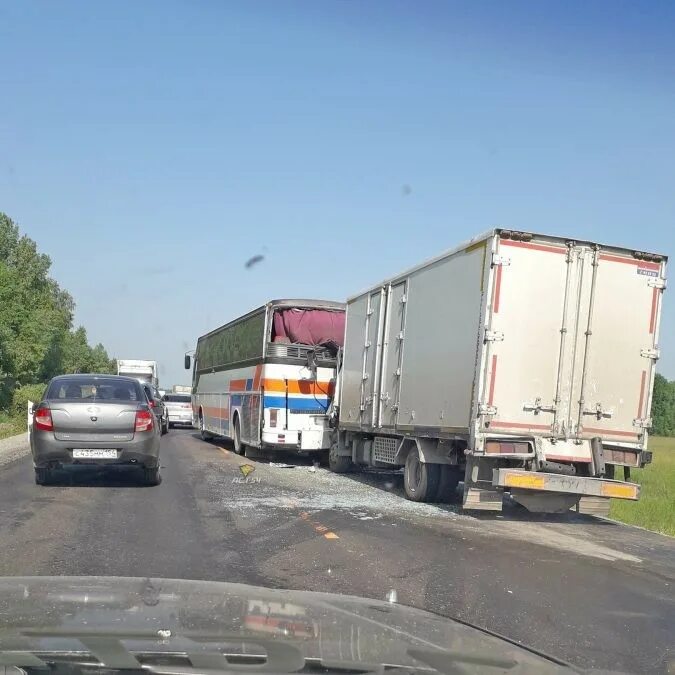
{"x": 178, "y": 398}
{"x": 94, "y": 389}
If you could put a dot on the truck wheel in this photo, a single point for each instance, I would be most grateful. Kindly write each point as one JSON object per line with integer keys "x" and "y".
{"x": 420, "y": 479}
{"x": 236, "y": 437}
{"x": 447, "y": 484}
{"x": 338, "y": 463}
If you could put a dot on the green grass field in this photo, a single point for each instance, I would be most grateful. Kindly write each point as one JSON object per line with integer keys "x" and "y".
{"x": 10, "y": 426}
{"x": 656, "y": 508}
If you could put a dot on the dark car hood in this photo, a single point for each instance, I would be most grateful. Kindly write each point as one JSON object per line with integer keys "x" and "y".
{"x": 112, "y": 618}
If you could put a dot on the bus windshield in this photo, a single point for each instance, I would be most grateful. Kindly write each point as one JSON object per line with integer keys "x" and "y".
{"x": 313, "y": 327}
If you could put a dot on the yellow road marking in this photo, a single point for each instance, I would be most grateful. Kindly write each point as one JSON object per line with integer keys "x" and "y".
{"x": 331, "y": 535}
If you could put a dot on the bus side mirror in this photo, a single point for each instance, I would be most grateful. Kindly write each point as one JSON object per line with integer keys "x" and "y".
{"x": 187, "y": 362}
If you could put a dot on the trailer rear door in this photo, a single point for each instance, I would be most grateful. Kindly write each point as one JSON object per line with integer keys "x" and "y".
{"x": 570, "y": 343}
{"x": 523, "y": 336}
{"x": 610, "y": 397}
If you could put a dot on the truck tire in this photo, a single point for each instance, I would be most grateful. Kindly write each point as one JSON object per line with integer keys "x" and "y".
{"x": 338, "y": 463}
{"x": 420, "y": 479}
{"x": 451, "y": 475}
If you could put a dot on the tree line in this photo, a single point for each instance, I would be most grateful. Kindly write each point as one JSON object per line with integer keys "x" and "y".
{"x": 37, "y": 337}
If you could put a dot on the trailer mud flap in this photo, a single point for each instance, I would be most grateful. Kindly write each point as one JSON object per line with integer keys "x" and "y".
{"x": 576, "y": 485}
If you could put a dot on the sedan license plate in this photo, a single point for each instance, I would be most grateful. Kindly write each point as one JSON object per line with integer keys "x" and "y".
{"x": 97, "y": 453}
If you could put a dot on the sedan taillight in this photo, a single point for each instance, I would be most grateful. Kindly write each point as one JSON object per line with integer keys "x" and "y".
{"x": 42, "y": 420}
{"x": 144, "y": 420}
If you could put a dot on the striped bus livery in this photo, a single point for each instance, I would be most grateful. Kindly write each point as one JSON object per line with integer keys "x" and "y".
{"x": 270, "y": 395}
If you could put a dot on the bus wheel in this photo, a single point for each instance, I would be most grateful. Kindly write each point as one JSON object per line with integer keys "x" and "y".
{"x": 205, "y": 435}
{"x": 420, "y": 479}
{"x": 238, "y": 447}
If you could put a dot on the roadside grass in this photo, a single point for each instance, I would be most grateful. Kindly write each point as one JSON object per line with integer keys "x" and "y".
{"x": 656, "y": 508}
{"x": 10, "y": 426}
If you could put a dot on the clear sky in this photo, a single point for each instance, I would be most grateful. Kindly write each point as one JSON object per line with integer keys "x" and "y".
{"x": 151, "y": 148}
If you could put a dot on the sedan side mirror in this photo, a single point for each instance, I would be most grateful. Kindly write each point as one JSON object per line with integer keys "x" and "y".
{"x": 187, "y": 362}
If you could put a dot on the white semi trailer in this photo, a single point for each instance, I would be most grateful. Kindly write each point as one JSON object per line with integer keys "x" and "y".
{"x": 140, "y": 369}
{"x": 517, "y": 363}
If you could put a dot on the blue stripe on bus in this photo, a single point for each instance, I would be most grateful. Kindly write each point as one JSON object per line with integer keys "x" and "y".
{"x": 320, "y": 404}
{"x": 235, "y": 399}
{"x": 249, "y": 385}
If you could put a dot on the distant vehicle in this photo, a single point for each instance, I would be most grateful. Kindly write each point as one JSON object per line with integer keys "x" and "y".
{"x": 94, "y": 419}
{"x": 265, "y": 380}
{"x": 181, "y": 389}
{"x": 157, "y": 404}
{"x": 517, "y": 362}
{"x": 143, "y": 371}
{"x": 178, "y": 409}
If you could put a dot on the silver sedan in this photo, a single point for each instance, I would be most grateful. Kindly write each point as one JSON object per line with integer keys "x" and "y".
{"x": 94, "y": 419}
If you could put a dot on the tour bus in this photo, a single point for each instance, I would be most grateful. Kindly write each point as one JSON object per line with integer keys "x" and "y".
{"x": 266, "y": 379}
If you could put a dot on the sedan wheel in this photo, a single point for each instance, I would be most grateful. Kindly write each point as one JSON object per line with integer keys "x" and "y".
{"x": 42, "y": 476}
{"x": 151, "y": 476}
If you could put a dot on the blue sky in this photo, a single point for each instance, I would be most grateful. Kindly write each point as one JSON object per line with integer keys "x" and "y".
{"x": 152, "y": 148}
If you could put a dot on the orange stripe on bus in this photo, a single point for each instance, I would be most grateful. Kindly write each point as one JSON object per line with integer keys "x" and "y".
{"x": 222, "y": 413}
{"x": 237, "y": 385}
{"x": 298, "y": 387}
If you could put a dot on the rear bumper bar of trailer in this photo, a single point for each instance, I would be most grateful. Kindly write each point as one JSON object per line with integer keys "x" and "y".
{"x": 550, "y": 482}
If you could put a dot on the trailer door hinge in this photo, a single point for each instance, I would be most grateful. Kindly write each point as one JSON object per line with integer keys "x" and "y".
{"x": 485, "y": 409}
{"x": 643, "y": 423}
{"x": 656, "y": 282}
{"x": 650, "y": 353}
{"x": 493, "y": 336}
{"x": 500, "y": 260}
{"x": 404, "y": 299}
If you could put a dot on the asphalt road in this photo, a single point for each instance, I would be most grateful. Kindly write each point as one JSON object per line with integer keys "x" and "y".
{"x": 589, "y": 591}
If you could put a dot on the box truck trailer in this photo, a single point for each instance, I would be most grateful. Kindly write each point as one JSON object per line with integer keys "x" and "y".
{"x": 517, "y": 363}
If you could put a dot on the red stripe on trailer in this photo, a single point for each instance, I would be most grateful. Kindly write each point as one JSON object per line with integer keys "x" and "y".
{"x": 610, "y": 432}
{"x": 534, "y": 247}
{"x": 493, "y": 377}
{"x": 517, "y": 425}
{"x": 498, "y": 288}
{"x": 238, "y": 385}
{"x": 652, "y": 316}
{"x": 642, "y": 393}
{"x": 644, "y": 264}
